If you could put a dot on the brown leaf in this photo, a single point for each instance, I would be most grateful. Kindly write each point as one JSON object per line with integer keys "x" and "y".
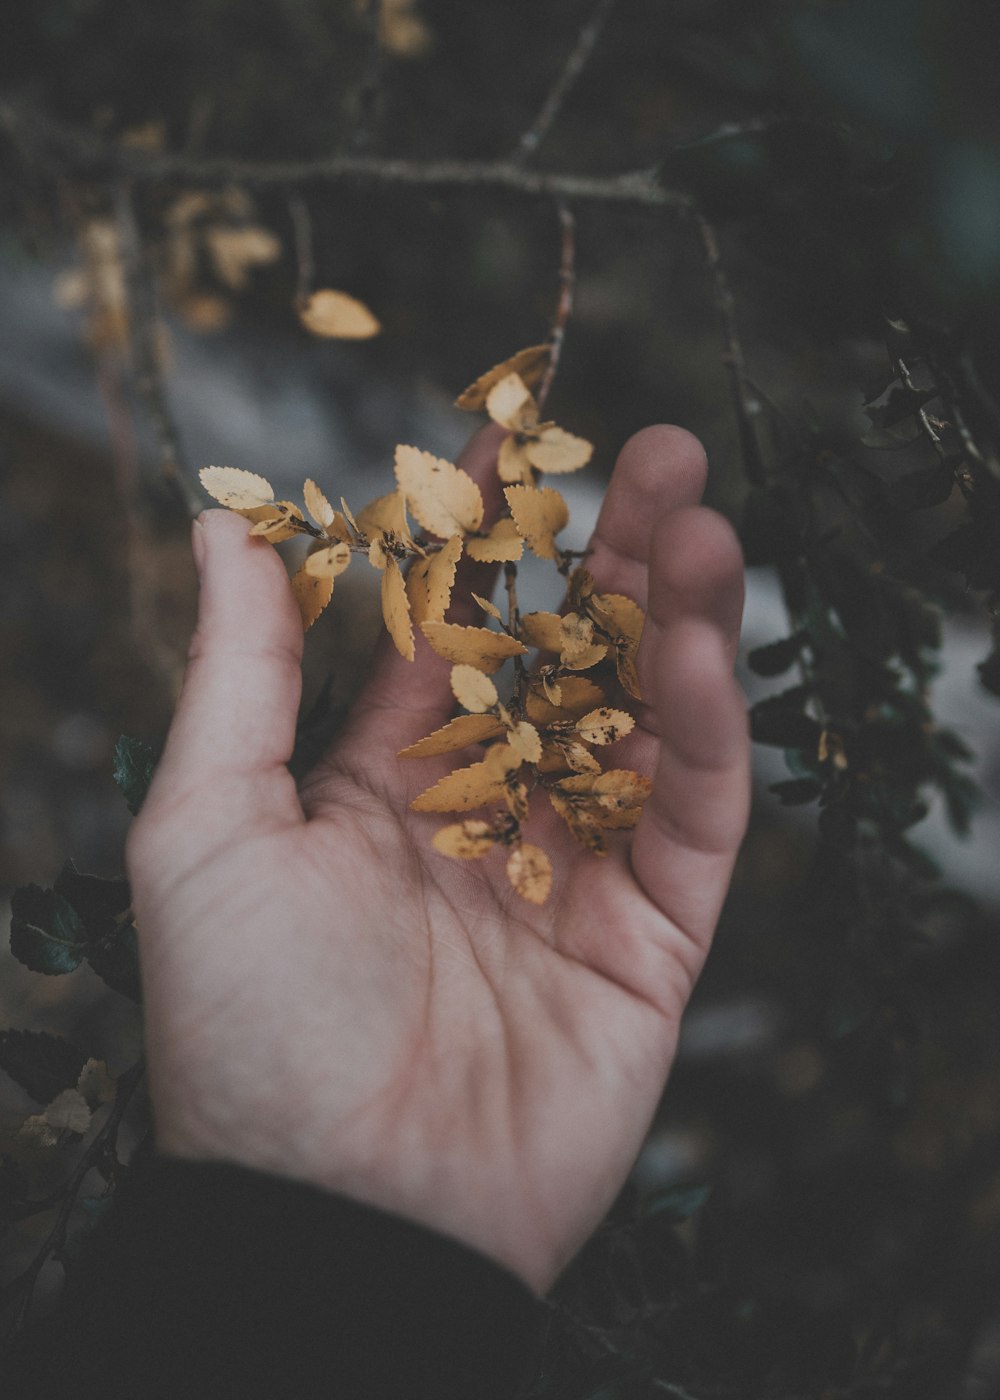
{"x": 578, "y": 696}
{"x": 338, "y": 316}
{"x": 516, "y": 797}
{"x": 385, "y": 515}
{"x": 430, "y": 581}
{"x": 604, "y": 726}
{"x": 317, "y": 505}
{"x": 312, "y": 593}
{"x": 444, "y": 499}
{"x": 466, "y": 788}
{"x": 502, "y": 545}
{"x": 542, "y": 630}
{"x": 530, "y": 364}
{"x": 239, "y": 490}
{"x": 473, "y": 690}
{"x": 396, "y": 609}
{"x": 510, "y": 403}
{"x": 539, "y": 515}
{"x": 466, "y": 840}
{"x": 471, "y": 646}
{"x": 526, "y": 742}
{"x": 556, "y": 451}
{"x": 580, "y": 821}
{"x": 530, "y": 872}
{"x": 458, "y": 733}
{"x": 329, "y": 562}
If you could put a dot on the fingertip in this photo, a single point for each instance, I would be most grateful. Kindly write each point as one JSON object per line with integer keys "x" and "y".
{"x": 697, "y": 569}
{"x": 664, "y": 448}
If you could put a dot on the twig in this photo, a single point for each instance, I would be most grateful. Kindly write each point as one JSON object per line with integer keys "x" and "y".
{"x": 586, "y": 41}
{"x": 103, "y": 1142}
{"x": 302, "y": 229}
{"x": 747, "y": 404}
{"x": 46, "y": 141}
{"x": 564, "y": 307}
{"x": 514, "y": 623}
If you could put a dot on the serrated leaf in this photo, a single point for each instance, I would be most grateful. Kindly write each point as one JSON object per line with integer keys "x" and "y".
{"x": 578, "y": 695}
{"x": 386, "y": 515}
{"x": 478, "y": 785}
{"x": 338, "y": 316}
{"x": 529, "y": 363}
{"x": 561, "y": 754}
{"x": 277, "y": 523}
{"x": 529, "y": 870}
{"x": 542, "y": 630}
{"x": 510, "y": 403}
{"x": 539, "y": 514}
{"x": 614, "y": 790}
{"x": 472, "y": 689}
{"x": 312, "y": 593}
{"x": 329, "y": 562}
{"x": 582, "y": 823}
{"x": 605, "y": 726}
{"x": 396, "y": 609}
{"x": 317, "y": 505}
{"x": 68, "y": 1112}
{"x": 526, "y": 741}
{"x": 503, "y": 544}
{"x": 458, "y": 733}
{"x": 430, "y": 581}
{"x": 46, "y": 933}
{"x": 579, "y": 651}
{"x": 618, "y": 616}
{"x": 555, "y": 451}
{"x": 236, "y": 489}
{"x": 468, "y": 840}
{"x": 42, "y": 1064}
{"x": 472, "y": 646}
{"x": 442, "y": 497}
{"x": 513, "y": 465}
{"x": 489, "y": 608}
{"x": 134, "y": 764}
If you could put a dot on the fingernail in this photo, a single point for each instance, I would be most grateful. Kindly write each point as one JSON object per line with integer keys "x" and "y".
{"x": 198, "y": 544}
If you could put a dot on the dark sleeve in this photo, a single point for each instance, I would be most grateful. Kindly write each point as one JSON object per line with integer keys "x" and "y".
{"x": 215, "y": 1281}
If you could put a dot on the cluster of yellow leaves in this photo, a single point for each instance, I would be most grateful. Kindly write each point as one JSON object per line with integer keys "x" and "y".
{"x": 547, "y": 733}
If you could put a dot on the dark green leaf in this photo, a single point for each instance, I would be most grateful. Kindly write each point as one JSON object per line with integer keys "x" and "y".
{"x": 676, "y": 1203}
{"x": 796, "y": 791}
{"x": 135, "y": 761}
{"x": 99, "y": 903}
{"x": 116, "y": 958}
{"x": 42, "y": 1064}
{"x": 781, "y": 720}
{"x": 46, "y": 933}
{"x": 776, "y": 658}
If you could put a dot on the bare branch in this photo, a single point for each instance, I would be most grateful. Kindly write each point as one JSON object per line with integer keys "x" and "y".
{"x": 564, "y": 308}
{"x": 586, "y": 41}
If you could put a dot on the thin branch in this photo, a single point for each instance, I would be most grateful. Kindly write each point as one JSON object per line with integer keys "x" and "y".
{"x": 73, "y": 151}
{"x": 302, "y": 229}
{"x": 564, "y": 308}
{"x": 747, "y": 403}
{"x": 586, "y": 41}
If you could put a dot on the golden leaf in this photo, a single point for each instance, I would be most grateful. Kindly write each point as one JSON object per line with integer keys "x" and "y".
{"x": 612, "y": 791}
{"x": 385, "y": 515}
{"x": 502, "y": 545}
{"x": 466, "y": 840}
{"x": 441, "y": 496}
{"x": 530, "y": 364}
{"x": 512, "y": 461}
{"x": 542, "y": 630}
{"x": 628, "y": 674}
{"x": 317, "y": 505}
{"x": 510, "y": 403}
{"x": 458, "y": 733}
{"x": 276, "y": 522}
{"x": 560, "y": 753}
{"x": 551, "y": 687}
{"x": 467, "y": 788}
{"x": 348, "y": 516}
{"x": 378, "y": 554}
{"x": 239, "y": 490}
{"x": 234, "y": 251}
{"x": 616, "y": 615}
{"x": 580, "y": 821}
{"x": 539, "y": 515}
{"x": 329, "y": 562}
{"x": 336, "y": 315}
{"x": 604, "y": 726}
{"x": 578, "y": 696}
{"x": 471, "y": 646}
{"x": 396, "y": 609}
{"x": 472, "y": 689}
{"x": 526, "y": 742}
{"x": 579, "y": 650}
{"x": 430, "y": 581}
{"x": 552, "y": 449}
{"x": 516, "y": 796}
{"x": 529, "y": 870}
{"x": 621, "y": 819}
{"x": 489, "y": 608}
{"x": 312, "y": 593}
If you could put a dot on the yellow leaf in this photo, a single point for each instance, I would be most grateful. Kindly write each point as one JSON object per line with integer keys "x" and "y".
{"x": 553, "y": 450}
{"x": 526, "y": 742}
{"x": 578, "y": 696}
{"x": 312, "y": 593}
{"x": 276, "y": 522}
{"x": 579, "y": 651}
{"x": 396, "y": 609}
{"x": 617, "y": 616}
{"x": 551, "y": 687}
{"x": 510, "y": 404}
{"x": 529, "y": 870}
{"x": 539, "y": 515}
{"x": 471, "y": 646}
{"x": 348, "y": 516}
{"x": 580, "y": 821}
{"x": 239, "y": 490}
{"x": 338, "y": 316}
{"x": 628, "y": 674}
{"x": 604, "y": 726}
{"x": 472, "y": 689}
{"x": 466, "y": 840}
{"x": 530, "y": 364}
{"x": 328, "y": 562}
{"x": 444, "y": 499}
{"x": 512, "y": 461}
{"x": 542, "y": 630}
{"x": 560, "y": 754}
{"x": 430, "y": 581}
{"x": 612, "y": 791}
{"x": 458, "y": 733}
{"x": 234, "y": 251}
{"x": 385, "y": 515}
{"x": 467, "y": 788}
{"x": 317, "y": 505}
{"x": 502, "y": 545}
{"x": 621, "y": 819}
{"x": 489, "y": 608}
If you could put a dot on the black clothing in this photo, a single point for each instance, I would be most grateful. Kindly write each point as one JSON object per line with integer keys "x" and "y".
{"x": 216, "y": 1281}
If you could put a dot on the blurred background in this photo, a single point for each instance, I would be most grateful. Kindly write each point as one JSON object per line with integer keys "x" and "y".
{"x": 817, "y": 1211}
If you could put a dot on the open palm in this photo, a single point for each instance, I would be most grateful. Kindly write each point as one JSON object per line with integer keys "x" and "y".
{"x": 330, "y": 999}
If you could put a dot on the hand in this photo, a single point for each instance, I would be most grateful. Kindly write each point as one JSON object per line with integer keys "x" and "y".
{"x": 330, "y": 999}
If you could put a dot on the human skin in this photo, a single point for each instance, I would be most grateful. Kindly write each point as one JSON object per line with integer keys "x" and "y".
{"x": 329, "y": 999}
